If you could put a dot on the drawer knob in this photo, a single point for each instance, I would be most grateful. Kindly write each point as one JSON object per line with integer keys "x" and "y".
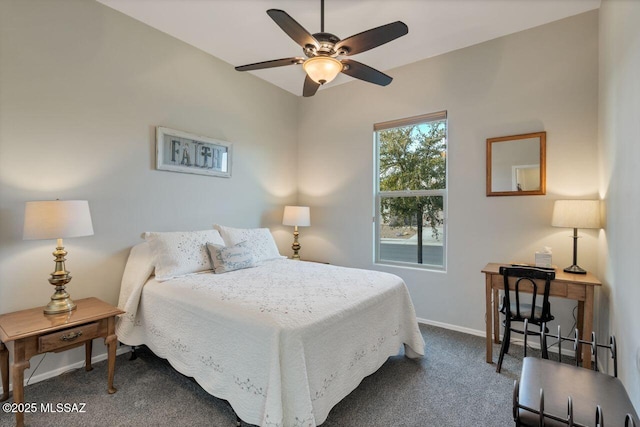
{"x": 72, "y": 336}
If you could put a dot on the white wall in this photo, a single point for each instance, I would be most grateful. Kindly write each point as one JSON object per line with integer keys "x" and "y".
{"x": 545, "y": 78}
{"x": 620, "y": 153}
{"x": 82, "y": 88}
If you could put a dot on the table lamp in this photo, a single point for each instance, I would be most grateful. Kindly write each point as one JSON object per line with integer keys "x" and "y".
{"x": 298, "y": 216}
{"x": 56, "y": 220}
{"x": 576, "y": 214}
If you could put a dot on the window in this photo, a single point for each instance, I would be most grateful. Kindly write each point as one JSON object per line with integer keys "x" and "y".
{"x": 411, "y": 191}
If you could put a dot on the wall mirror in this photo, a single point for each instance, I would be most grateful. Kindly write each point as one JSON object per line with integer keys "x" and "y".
{"x": 516, "y": 165}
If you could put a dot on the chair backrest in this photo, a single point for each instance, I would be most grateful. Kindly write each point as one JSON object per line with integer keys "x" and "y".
{"x": 529, "y": 275}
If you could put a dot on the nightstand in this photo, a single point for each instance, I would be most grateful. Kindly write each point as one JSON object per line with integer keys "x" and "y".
{"x": 34, "y": 332}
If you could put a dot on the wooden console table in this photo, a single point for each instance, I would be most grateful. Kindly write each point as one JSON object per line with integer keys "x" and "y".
{"x": 579, "y": 287}
{"x": 34, "y": 332}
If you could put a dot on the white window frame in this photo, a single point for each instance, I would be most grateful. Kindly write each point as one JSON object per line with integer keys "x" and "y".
{"x": 377, "y": 218}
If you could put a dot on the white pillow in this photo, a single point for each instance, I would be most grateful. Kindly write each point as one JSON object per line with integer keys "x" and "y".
{"x": 230, "y": 258}
{"x": 259, "y": 240}
{"x": 178, "y": 253}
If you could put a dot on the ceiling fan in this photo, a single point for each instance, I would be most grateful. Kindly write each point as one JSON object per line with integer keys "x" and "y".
{"x": 322, "y": 51}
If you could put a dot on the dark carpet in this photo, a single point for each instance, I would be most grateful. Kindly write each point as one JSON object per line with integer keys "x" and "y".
{"x": 451, "y": 386}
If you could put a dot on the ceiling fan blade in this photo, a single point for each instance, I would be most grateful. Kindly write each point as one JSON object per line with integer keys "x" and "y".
{"x": 292, "y": 28}
{"x": 374, "y": 37}
{"x": 310, "y": 87}
{"x": 270, "y": 64}
{"x": 364, "y": 72}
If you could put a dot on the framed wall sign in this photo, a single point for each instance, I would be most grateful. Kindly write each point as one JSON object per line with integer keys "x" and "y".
{"x": 179, "y": 151}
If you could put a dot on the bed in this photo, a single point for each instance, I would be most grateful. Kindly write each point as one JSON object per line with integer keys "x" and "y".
{"x": 283, "y": 341}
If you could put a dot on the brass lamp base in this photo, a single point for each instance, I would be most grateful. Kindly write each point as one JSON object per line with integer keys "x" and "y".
{"x": 296, "y": 246}
{"x": 61, "y": 302}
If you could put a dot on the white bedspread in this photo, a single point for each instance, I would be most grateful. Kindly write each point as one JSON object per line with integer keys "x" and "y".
{"x": 282, "y": 342}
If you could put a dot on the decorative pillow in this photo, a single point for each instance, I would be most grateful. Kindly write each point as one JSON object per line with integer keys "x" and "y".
{"x": 260, "y": 241}
{"x": 179, "y": 253}
{"x": 230, "y": 258}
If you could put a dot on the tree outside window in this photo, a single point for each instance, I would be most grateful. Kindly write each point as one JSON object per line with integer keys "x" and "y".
{"x": 412, "y": 182}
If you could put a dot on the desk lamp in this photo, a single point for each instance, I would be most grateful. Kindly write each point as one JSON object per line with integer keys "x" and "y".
{"x": 576, "y": 214}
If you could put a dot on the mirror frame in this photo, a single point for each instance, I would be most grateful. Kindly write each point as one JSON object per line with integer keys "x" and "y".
{"x": 543, "y": 164}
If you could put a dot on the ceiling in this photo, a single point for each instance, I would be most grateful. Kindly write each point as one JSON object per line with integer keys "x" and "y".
{"x": 240, "y": 32}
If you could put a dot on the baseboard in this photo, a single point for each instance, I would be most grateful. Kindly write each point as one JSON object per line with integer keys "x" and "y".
{"x": 531, "y": 343}
{"x": 61, "y": 370}
{"x": 451, "y": 327}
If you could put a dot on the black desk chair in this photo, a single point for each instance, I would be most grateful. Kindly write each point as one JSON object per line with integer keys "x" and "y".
{"x": 526, "y": 312}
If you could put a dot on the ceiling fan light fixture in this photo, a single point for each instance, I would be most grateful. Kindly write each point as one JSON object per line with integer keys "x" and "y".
{"x": 322, "y": 48}
{"x": 322, "y": 69}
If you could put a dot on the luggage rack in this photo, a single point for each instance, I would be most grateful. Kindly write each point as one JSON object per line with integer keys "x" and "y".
{"x": 540, "y": 414}
{"x": 569, "y": 421}
{"x": 593, "y": 344}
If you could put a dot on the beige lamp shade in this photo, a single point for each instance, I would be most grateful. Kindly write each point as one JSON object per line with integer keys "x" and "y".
{"x": 56, "y": 219}
{"x": 576, "y": 214}
{"x": 297, "y": 216}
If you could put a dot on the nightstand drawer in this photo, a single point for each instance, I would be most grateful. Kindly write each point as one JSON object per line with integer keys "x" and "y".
{"x": 61, "y": 339}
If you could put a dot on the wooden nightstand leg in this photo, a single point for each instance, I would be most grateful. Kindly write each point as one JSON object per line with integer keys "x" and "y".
{"x": 111, "y": 341}
{"x": 4, "y": 371}
{"x": 88, "y": 349}
{"x": 18, "y": 367}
